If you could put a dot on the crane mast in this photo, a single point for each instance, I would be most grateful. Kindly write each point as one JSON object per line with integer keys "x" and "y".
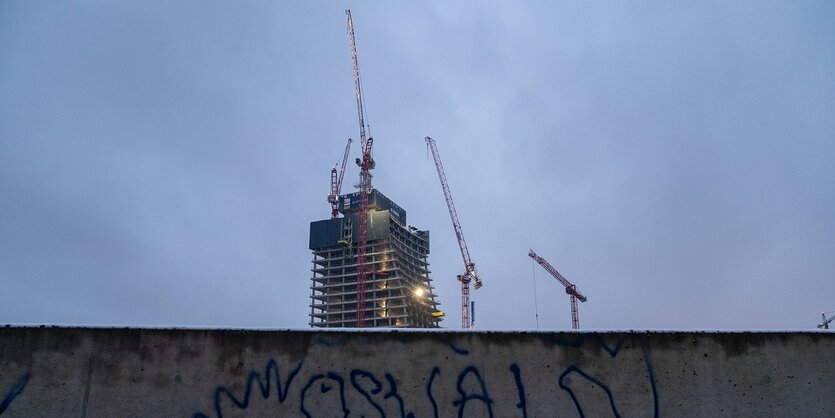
{"x": 469, "y": 267}
{"x": 570, "y": 288}
{"x": 336, "y": 182}
{"x": 366, "y": 163}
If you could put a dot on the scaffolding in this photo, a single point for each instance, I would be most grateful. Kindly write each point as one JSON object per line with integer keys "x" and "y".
{"x": 398, "y": 289}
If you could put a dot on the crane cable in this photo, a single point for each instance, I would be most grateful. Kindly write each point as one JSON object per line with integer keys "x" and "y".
{"x": 535, "y": 302}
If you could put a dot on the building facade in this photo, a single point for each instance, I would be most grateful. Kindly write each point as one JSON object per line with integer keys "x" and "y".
{"x": 398, "y": 289}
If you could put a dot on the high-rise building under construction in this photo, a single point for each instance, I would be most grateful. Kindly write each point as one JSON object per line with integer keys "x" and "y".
{"x": 398, "y": 289}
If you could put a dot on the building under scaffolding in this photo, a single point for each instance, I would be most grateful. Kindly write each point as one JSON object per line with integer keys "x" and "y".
{"x": 398, "y": 289}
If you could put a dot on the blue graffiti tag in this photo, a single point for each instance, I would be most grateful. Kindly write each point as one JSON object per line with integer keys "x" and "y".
{"x": 263, "y": 384}
{"x": 378, "y": 387}
{"x": 393, "y": 394}
{"x": 16, "y": 389}
{"x": 435, "y": 371}
{"x": 514, "y": 368}
{"x": 325, "y": 389}
{"x": 465, "y": 397}
{"x": 574, "y": 369}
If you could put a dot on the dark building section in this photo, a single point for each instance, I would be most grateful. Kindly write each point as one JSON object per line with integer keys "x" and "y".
{"x": 399, "y": 291}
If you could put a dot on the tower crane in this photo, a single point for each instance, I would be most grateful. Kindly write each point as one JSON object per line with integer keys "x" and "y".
{"x": 366, "y": 163}
{"x": 336, "y": 182}
{"x": 826, "y": 321}
{"x": 469, "y": 267}
{"x": 570, "y": 288}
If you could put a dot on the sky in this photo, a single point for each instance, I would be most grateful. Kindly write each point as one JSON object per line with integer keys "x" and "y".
{"x": 160, "y": 162}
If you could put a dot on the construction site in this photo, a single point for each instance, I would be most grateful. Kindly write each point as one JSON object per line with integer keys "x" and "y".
{"x": 584, "y": 173}
{"x": 396, "y": 291}
{"x": 370, "y": 268}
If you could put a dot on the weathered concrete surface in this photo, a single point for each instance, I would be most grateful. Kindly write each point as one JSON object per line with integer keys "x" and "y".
{"x": 84, "y": 372}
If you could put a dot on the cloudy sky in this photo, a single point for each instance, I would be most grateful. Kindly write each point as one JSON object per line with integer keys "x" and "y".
{"x": 160, "y": 162}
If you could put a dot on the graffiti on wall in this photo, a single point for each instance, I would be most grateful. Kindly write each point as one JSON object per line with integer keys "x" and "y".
{"x": 17, "y": 387}
{"x": 451, "y": 388}
{"x": 585, "y": 375}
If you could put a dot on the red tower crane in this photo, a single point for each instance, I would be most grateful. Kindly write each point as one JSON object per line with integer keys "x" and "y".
{"x": 469, "y": 267}
{"x": 336, "y": 182}
{"x": 570, "y": 288}
{"x": 366, "y": 163}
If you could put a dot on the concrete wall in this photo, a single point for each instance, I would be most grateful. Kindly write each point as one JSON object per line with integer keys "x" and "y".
{"x": 83, "y": 372}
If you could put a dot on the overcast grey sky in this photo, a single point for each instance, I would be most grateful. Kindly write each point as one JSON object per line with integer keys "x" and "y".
{"x": 160, "y": 162}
